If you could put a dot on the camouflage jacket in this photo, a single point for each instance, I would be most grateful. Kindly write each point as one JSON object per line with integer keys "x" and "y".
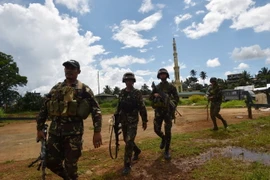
{"x": 131, "y": 103}
{"x": 215, "y": 92}
{"x": 70, "y": 124}
{"x": 168, "y": 89}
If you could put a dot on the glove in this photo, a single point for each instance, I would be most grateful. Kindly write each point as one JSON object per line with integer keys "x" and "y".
{"x": 144, "y": 125}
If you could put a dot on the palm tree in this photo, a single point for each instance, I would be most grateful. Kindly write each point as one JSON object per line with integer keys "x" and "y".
{"x": 193, "y": 73}
{"x": 264, "y": 75}
{"x": 203, "y": 76}
{"x": 245, "y": 78}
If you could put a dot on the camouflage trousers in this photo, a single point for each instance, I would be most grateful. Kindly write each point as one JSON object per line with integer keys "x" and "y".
{"x": 63, "y": 153}
{"x": 129, "y": 130}
{"x": 214, "y": 113}
{"x": 166, "y": 117}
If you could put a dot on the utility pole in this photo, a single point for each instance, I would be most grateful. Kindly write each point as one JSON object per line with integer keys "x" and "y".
{"x": 98, "y": 82}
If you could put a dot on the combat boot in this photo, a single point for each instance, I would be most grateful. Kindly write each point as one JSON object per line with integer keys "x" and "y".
{"x": 137, "y": 151}
{"x": 167, "y": 155}
{"x": 215, "y": 129}
{"x": 224, "y": 123}
{"x": 215, "y": 125}
{"x": 127, "y": 169}
{"x": 163, "y": 143}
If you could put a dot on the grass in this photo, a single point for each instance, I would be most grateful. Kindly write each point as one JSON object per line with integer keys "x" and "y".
{"x": 253, "y": 135}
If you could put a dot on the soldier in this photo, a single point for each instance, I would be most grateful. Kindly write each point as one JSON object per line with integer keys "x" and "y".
{"x": 67, "y": 105}
{"x": 214, "y": 94}
{"x": 164, "y": 99}
{"x": 130, "y": 105}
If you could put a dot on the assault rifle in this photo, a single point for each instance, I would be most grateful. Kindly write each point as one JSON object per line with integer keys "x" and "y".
{"x": 207, "y": 110}
{"x": 115, "y": 131}
{"x": 42, "y": 156}
{"x": 163, "y": 97}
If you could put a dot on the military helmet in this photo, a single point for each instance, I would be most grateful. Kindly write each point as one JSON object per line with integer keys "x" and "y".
{"x": 213, "y": 79}
{"x": 128, "y": 75}
{"x": 163, "y": 71}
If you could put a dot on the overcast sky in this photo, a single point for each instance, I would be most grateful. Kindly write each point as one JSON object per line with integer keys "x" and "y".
{"x": 109, "y": 37}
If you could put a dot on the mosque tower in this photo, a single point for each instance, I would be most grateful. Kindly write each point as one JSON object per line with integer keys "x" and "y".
{"x": 176, "y": 68}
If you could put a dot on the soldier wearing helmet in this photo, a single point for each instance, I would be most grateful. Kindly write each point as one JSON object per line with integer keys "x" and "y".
{"x": 130, "y": 105}
{"x": 128, "y": 76}
{"x": 163, "y": 71}
{"x": 161, "y": 96}
{"x": 214, "y": 95}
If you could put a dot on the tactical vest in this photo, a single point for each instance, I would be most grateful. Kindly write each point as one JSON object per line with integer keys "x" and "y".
{"x": 67, "y": 101}
{"x": 164, "y": 101}
{"x": 159, "y": 102}
{"x": 128, "y": 101}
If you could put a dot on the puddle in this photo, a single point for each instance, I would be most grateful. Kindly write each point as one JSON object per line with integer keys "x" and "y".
{"x": 238, "y": 153}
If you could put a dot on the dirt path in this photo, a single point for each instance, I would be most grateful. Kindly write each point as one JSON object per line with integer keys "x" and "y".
{"x": 17, "y": 140}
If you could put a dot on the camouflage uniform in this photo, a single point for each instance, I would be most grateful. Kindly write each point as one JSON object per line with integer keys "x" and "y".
{"x": 129, "y": 107}
{"x": 65, "y": 133}
{"x": 215, "y": 92}
{"x": 164, "y": 113}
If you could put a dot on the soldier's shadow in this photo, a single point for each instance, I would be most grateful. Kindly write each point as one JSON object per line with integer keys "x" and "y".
{"x": 163, "y": 169}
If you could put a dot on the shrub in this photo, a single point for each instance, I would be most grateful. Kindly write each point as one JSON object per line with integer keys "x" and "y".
{"x": 196, "y": 98}
{"x": 2, "y": 114}
{"x": 233, "y": 103}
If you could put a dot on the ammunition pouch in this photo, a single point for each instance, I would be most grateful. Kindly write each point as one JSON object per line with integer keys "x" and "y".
{"x": 83, "y": 109}
{"x": 159, "y": 102}
{"x": 64, "y": 103}
{"x": 128, "y": 106}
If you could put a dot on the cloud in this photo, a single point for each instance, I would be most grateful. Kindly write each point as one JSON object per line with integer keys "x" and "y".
{"x": 127, "y": 31}
{"x": 230, "y": 72}
{"x": 256, "y": 18}
{"x": 242, "y": 66}
{"x": 189, "y": 3}
{"x": 143, "y": 50}
{"x": 143, "y": 72}
{"x": 122, "y": 61}
{"x": 178, "y": 19}
{"x": 146, "y": 6}
{"x": 251, "y": 52}
{"x": 219, "y": 10}
{"x": 40, "y": 40}
{"x": 79, "y": 6}
{"x": 200, "y": 12}
{"x": 213, "y": 62}
{"x": 267, "y": 61}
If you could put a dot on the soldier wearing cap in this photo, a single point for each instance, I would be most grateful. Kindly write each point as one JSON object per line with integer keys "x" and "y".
{"x": 130, "y": 105}
{"x": 160, "y": 96}
{"x": 214, "y": 95}
{"x": 67, "y": 105}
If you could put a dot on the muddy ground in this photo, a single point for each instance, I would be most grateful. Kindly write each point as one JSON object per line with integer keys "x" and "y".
{"x": 18, "y": 140}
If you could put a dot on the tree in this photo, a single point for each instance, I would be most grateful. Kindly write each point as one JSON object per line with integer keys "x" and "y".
{"x": 193, "y": 73}
{"x": 107, "y": 90}
{"x": 116, "y": 90}
{"x": 31, "y": 101}
{"x": 203, "y": 76}
{"x": 145, "y": 90}
{"x": 245, "y": 79}
{"x": 9, "y": 79}
{"x": 263, "y": 76}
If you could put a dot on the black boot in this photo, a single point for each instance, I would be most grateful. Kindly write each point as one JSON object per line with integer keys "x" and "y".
{"x": 167, "y": 155}
{"x": 137, "y": 151}
{"x": 215, "y": 125}
{"x": 224, "y": 123}
{"x": 127, "y": 169}
{"x": 163, "y": 143}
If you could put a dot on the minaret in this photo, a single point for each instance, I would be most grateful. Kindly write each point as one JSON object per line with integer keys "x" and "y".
{"x": 177, "y": 82}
